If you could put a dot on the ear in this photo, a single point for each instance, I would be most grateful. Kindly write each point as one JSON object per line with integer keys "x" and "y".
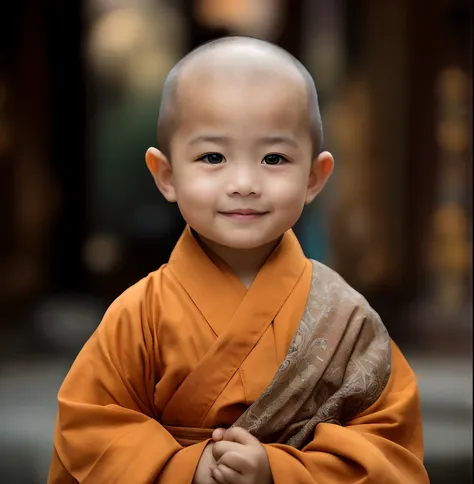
{"x": 321, "y": 170}
{"x": 160, "y": 169}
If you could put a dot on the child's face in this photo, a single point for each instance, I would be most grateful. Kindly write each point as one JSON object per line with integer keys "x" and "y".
{"x": 241, "y": 158}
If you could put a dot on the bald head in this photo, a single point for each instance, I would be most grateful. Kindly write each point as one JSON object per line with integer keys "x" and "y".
{"x": 240, "y": 57}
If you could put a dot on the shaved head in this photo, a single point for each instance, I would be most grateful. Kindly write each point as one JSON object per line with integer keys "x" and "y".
{"x": 242, "y": 58}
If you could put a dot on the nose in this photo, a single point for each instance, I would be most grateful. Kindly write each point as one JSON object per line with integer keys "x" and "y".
{"x": 244, "y": 181}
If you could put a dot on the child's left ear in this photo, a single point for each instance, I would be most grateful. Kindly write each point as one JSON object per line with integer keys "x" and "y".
{"x": 320, "y": 172}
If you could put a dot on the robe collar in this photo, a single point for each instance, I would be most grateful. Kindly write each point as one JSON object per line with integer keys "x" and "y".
{"x": 217, "y": 291}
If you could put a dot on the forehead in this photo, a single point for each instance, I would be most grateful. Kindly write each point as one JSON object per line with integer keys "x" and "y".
{"x": 230, "y": 96}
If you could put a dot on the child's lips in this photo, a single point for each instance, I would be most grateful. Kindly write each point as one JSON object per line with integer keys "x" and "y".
{"x": 243, "y": 214}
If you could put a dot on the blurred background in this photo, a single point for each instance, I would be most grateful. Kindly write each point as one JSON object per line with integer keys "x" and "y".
{"x": 79, "y": 94}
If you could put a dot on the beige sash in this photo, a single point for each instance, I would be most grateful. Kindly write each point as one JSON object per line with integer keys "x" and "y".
{"x": 337, "y": 366}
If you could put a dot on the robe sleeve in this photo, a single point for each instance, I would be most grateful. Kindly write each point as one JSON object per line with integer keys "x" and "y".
{"x": 382, "y": 444}
{"x": 106, "y": 429}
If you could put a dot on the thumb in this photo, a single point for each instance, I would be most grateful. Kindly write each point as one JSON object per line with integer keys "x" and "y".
{"x": 240, "y": 435}
{"x": 218, "y": 435}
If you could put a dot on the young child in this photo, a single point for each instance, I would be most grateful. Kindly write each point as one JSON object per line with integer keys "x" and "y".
{"x": 240, "y": 361}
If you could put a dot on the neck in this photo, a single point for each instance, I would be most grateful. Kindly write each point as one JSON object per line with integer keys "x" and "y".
{"x": 245, "y": 263}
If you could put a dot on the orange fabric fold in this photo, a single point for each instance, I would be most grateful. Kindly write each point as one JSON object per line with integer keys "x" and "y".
{"x": 186, "y": 436}
{"x": 244, "y": 328}
{"x": 189, "y": 349}
{"x": 117, "y": 404}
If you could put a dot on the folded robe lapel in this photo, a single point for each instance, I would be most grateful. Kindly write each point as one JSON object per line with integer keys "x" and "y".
{"x": 215, "y": 290}
{"x": 239, "y": 326}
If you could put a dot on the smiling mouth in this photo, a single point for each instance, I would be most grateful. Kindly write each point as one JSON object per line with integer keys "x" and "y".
{"x": 243, "y": 214}
{"x": 244, "y": 211}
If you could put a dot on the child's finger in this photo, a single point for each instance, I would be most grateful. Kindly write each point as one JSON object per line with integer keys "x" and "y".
{"x": 237, "y": 461}
{"x": 224, "y": 475}
{"x": 218, "y": 435}
{"x": 220, "y": 448}
{"x": 212, "y": 468}
{"x": 239, "y": 435}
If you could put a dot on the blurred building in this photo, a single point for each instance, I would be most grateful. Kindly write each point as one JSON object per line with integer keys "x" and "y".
{"x": 79, "y": 93}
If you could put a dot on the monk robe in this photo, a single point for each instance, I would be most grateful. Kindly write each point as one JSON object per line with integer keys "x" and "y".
{"x": 300, "y": 360}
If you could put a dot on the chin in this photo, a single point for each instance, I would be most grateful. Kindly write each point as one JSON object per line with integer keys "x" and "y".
{"x": 242, "y": 245}
{"x": 238, "y": 238}
{"x": 245, "y": 242}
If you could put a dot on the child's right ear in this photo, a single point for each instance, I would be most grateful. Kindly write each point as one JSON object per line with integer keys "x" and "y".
{"x": 160, "y": 169}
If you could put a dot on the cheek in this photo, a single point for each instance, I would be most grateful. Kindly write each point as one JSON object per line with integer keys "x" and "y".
{"x": 196, "y": 189}
{"x": 288, "y": 192}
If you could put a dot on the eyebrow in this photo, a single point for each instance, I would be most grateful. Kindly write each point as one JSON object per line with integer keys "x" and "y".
{"x": 210, "y": 138}
{"x": 265, "y": 140}
{"x": 278, "y": 139}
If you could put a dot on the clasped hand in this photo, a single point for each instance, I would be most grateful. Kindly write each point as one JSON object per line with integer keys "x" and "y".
{"x": 233, "y": 457}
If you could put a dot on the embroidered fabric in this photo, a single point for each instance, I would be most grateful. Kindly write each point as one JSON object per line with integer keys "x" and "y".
{"x": 337, "y": 366}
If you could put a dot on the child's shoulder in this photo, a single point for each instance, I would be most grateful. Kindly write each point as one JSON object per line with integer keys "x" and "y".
{"x": 142, "y": 295}
{"x": 332, "y": 287}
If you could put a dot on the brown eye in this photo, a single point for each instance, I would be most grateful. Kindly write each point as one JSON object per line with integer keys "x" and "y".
{"x": 213, "y": 158}
{"x": 273, "y": 159}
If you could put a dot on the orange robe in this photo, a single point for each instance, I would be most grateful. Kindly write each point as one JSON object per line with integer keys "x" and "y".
{"x": 189, "y": 347}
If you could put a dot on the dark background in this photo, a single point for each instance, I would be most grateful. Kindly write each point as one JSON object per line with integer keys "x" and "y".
{"x": 81, "y": 219}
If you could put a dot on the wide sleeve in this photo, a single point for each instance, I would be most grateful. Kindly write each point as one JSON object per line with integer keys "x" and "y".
{"x": 106, "y": 429}
{"x": 384, "y": 444}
